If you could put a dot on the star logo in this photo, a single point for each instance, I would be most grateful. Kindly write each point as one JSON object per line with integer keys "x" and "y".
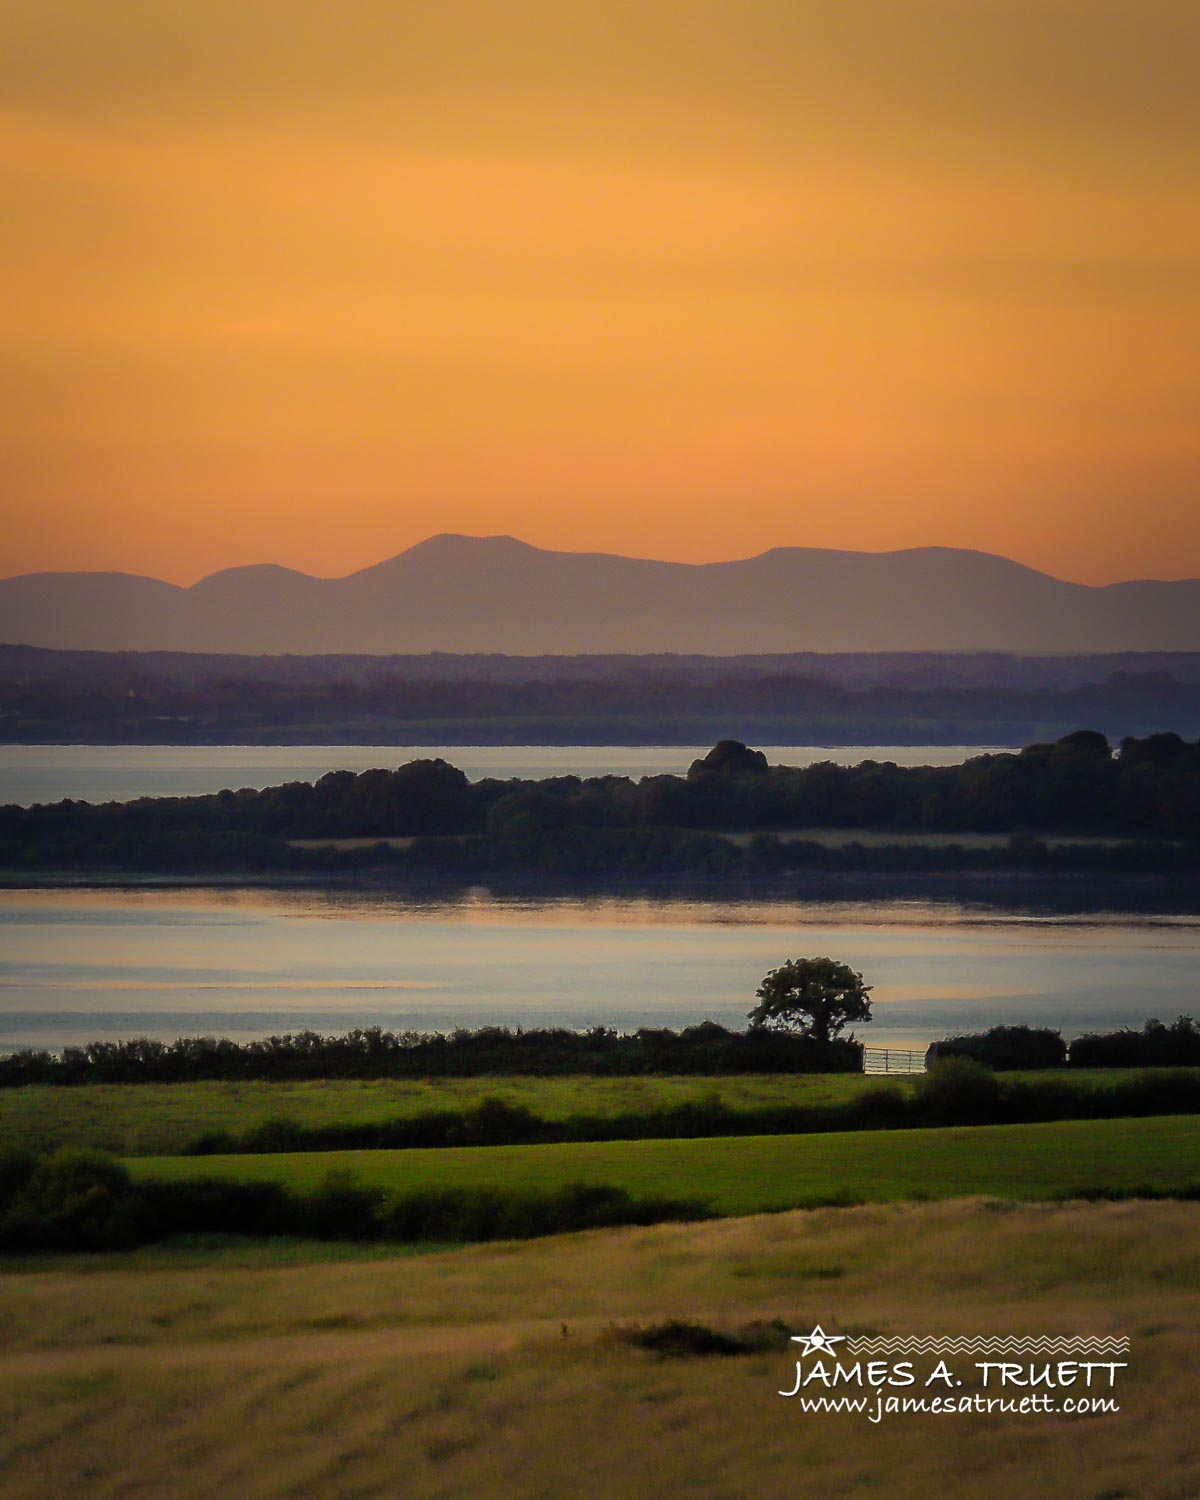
{"x": 818, "y": 1341}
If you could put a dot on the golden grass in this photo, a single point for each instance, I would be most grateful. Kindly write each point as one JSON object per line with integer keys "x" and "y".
{"x": 449, "y": 1374}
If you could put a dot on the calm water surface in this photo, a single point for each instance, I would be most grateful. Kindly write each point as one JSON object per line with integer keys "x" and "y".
{"x": 108, "y": 773}
{"x": 79, "y": 965}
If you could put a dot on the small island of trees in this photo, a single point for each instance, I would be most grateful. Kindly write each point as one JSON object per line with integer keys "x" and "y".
{"x": 731, "y": 813}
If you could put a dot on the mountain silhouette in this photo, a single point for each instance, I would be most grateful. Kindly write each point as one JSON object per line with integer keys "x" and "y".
{"x": 496, "y": 594}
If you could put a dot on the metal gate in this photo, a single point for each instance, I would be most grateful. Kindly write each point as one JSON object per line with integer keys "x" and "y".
{"x": 892, "y": 1060}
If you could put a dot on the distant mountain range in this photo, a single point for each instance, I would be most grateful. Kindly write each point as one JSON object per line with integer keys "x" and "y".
{"x": 495, "y": 594}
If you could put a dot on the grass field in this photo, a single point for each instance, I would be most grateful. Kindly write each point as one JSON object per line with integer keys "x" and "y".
{"x": 486, "y": 1372}
{"x": 162, "y": 1119}
{"x": 754, "y": 1174}
{"x": 159, "y": 1119}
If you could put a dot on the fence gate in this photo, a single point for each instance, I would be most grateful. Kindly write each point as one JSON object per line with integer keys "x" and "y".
{"x": 892, "y": 1060}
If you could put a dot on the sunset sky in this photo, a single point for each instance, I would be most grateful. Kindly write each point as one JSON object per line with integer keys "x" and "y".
{"x": 306, "y": 283}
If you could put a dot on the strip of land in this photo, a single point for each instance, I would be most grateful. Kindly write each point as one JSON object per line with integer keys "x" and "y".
{"x": 166, "y": 1119}
{"x": 756, "y": 1174}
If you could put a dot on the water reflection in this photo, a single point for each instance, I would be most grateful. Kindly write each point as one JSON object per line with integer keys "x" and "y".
{"x": 81, "y": 964}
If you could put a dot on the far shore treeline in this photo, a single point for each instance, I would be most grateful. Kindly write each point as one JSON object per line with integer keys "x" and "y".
{"x": 1145, "y": 796}
{"x": 799, "y": 698}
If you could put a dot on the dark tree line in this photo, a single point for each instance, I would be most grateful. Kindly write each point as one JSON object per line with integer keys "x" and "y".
{"x": 371, "y": 1052}
{"x": 706, "y": 1049}
{"x": 1148, "y": 790}
{"x": 1156, "y": 1045}
{"x": 85, "y": 1200}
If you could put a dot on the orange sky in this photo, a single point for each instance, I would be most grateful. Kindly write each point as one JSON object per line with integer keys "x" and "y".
{"x": 305, "y": 283}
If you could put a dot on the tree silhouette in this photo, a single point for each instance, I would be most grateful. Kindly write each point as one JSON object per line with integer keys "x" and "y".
{"x": 811, "y": 997}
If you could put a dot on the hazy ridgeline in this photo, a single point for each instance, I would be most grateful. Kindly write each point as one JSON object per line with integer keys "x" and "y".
{"x": 455, "y": 594}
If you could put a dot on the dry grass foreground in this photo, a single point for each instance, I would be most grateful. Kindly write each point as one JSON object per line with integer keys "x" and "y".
{"x": 173, "y": 1374}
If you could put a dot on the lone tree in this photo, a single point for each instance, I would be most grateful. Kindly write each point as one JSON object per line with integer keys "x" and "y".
{"x": 812, "y": 997}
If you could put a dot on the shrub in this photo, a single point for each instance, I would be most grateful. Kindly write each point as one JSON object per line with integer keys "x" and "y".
{"x": 16, "y": 1168}
{"x": 81, "y": 1200}
{"x": 1006, "y": 1047}
{"x": 473, "y": 1214}
{"x": 958, "y": 1091}
{"x": 341, "y": 1209}
{"x": 676, "y": 1338}
{"x": 1155, "y": 1046}
{"x": 213, "y": 1206}
{"x": 491, "y": 1050}
{"x": 878, "y": 1107}
{"x": 73, "y": 1200}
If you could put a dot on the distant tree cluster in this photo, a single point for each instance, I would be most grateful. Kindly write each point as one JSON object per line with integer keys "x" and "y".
{"x": 1150, "y": 789}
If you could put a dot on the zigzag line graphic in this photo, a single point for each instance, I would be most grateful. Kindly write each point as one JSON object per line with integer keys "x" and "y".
{"x": 994, "y": 1344}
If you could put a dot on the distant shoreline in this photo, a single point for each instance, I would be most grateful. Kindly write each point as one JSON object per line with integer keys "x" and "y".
{"x": 193, "y": 699}
{"x": 864, "y": 885}
{"x": 420, "y": 737}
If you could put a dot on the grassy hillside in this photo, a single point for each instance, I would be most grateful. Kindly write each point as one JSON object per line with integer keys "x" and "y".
{"x": 486, "y": 1372}
{"x": 162, "y": 1119}
{"x": 752, "y": 1174}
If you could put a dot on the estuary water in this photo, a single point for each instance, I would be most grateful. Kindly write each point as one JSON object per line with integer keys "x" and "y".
{"x": 115, "y": 773}
{"x": 83, "y": 964}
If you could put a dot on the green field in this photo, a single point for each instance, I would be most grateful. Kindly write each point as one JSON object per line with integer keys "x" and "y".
{"x": 147, "y": 1119}
{"x": 754, "y": 1174}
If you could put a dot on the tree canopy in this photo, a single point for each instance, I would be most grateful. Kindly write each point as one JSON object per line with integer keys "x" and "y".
{"x": 811, "y": 997}
{"x": 570, "y": 825}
